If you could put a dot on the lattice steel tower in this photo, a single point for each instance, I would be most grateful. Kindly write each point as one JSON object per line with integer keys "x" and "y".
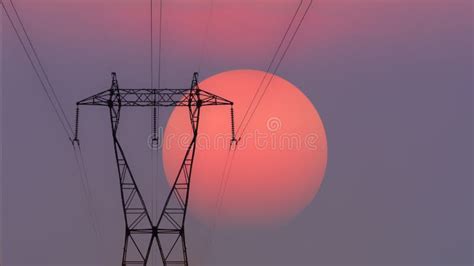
{"x": 140, "y": 230}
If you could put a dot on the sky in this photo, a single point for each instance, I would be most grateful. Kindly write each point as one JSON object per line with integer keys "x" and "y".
{"x": 391, "y": 80}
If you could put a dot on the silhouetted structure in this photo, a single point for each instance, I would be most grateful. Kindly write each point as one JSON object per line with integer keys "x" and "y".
{"x": 140, "y": 230}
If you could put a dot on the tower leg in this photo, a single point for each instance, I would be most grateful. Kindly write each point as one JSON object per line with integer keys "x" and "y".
{"x": 138, "y": 225}
{"x": 171, "y": 235}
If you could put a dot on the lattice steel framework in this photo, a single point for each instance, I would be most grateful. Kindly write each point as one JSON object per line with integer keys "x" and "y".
{"x": 140, "y": 230}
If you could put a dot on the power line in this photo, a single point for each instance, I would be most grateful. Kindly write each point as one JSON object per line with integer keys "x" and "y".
{"x": 79, "y": 157}
{"x": 277, "y": 51}
{"x": 151, "y": 44}
{"x": 228, "y": 164}
{"x": 155, "y": 110}
{"x": 226, "y": 176}
{"x": 153, "y": 125}
{"x": 277, "y": 67}
{"x": 55, "y": 105}
{"x": 50, "y": 92}
{"x": 86, "y": 189}
{"x": 152, "y": 153}
{"x": 159, "y": 44}
{"x": 85, "y": 180}
{"x": 41, "y": 67}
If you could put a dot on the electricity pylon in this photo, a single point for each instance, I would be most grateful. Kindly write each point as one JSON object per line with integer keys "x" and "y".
{"x": 140, "y": 230}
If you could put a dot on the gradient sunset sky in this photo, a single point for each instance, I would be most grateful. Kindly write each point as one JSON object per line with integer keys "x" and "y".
{"x": 391, "y": 79}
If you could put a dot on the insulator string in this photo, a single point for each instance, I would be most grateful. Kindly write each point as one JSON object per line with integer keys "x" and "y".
{"x": 232, "y": 121}
{"x": 76, "y": 129}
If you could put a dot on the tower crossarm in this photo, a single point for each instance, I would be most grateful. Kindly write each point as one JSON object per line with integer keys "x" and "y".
{"x": 146, "y": 98}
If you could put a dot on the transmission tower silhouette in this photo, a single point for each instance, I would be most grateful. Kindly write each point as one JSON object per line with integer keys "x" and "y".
{"x": 140, "y": 230}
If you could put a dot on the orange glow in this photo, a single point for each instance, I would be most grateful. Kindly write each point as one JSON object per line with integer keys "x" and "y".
{"x": 280, "y": 162}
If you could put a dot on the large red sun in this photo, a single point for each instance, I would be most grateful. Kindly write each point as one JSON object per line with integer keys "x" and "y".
{"x": 279, "y": 163}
